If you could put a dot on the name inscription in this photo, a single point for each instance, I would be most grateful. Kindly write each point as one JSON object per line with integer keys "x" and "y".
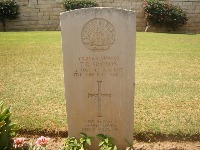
{"x": 99, "y": 66}
{"x": 100, "y": 126}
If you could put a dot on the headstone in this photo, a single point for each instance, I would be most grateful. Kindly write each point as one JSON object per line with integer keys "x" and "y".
{"x": 99, "y": 61}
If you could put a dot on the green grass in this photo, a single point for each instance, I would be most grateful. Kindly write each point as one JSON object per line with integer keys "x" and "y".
{"x": 167, "y": 99}
{"x": 31, "y": 79}
{"x": 167, "y": 84}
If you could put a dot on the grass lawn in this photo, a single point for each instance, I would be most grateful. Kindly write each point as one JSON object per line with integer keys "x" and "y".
{"x": 167, "y": 99}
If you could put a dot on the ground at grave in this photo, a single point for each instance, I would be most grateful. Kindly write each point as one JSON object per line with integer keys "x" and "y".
{"x": 56, "y": 142}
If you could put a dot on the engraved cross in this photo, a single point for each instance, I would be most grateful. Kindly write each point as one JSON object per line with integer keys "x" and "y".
{"x": 99, "y": 96}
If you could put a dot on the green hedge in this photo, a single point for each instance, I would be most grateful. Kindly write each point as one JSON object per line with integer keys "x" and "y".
{"x": 77, "y": 4}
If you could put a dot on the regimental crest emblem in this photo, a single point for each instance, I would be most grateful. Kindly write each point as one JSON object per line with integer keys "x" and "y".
{"x": 98, "y": 34}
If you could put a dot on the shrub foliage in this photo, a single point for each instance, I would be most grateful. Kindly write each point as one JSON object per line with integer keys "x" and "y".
{"x": 9, "y": 9}
{"x": 7, "y": 128}
{"x": 77, "y": 4}
{"x": 164, "y": 14}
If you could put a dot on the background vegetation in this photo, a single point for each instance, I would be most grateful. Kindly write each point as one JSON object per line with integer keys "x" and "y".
{"x": 9, "y": 10}
{"x": 163, "y": 14}
{"x": 77, "y": 4}
{"x": 167, "y": 98}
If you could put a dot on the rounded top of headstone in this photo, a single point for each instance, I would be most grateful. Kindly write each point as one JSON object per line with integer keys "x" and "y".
{"x": 97, "y": 10}
{"x": 98, "y": 31}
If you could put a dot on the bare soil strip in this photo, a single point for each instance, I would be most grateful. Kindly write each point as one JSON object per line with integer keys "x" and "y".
{"x": 169, "y": 142}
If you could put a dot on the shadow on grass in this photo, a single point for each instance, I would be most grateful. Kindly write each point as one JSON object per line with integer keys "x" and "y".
{"x": 154, "y": 137}
{"x": 142, "y": 137}
{"x": 39, "y": 132}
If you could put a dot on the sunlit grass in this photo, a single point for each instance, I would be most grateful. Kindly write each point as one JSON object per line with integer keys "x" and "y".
{"x": 167, "y": 83}
{"x": 32, "y": 79}
{"x": 167, "y": 98}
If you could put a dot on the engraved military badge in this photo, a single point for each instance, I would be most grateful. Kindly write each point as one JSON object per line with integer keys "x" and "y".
{"x": 98, "y": 34}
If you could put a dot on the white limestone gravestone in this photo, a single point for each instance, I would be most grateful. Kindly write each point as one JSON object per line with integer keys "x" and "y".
{"x": 99, "y": 61}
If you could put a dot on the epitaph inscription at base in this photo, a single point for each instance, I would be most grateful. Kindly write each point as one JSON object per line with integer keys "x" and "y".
{"x": 99, "y": 61}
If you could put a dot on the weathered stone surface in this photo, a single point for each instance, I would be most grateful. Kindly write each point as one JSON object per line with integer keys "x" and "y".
{"x": 99, "y": 59}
